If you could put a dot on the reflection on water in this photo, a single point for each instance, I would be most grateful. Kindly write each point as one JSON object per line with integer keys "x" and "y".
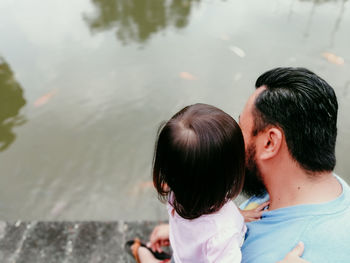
{"x": 338, "y": 22}
{"x": 318, "y": 1}
{"x": 87, "y": 153}
{"x": 137, "y": 20}
{"x": 11, "y": 101}
{"x": 346, "y": 89}
{"x": 312, "y": 12}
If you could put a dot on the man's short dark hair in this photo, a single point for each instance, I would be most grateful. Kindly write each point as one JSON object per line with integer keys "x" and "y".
{"x": 305, "y": 107}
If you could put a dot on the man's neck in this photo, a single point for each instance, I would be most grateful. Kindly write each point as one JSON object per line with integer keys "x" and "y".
{"x": 296, "y": 187}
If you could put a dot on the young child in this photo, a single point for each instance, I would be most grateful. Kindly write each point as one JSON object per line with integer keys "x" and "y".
{"x": 198, "y": 169}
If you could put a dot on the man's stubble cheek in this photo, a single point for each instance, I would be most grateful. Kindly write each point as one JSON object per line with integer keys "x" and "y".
{"x": 253, "y": 184}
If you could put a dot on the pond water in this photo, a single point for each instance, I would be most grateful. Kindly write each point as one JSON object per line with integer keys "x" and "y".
{"x": 85, "y": 84}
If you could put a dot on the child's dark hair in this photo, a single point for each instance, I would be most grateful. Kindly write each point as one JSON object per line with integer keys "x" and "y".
{"x": 199, "y": 160}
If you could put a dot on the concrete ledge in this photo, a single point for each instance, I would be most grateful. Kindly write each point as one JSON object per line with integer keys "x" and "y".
{"x": 68, "y": 242}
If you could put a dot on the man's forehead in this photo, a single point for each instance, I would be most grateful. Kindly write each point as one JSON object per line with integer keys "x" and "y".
{"x": 256, "y": 93}
{"x": 253, "y": 97}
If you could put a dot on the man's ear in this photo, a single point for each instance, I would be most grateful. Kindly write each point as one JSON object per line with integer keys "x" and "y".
{"x": 271, "y": 142}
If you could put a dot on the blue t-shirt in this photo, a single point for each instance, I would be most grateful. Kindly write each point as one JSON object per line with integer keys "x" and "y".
{"x": 324, "y": 229}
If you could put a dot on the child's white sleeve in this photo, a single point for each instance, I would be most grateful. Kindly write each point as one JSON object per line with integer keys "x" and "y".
{"x": 224, "y": 247}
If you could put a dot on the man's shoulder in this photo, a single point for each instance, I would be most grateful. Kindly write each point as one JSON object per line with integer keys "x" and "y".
{"x": 327, "y": 237}
{"x": 324, "y": 229}
{"x": 343, "y": 183}
{"x": 254, "y": 201}
{"x": 335, "y": 221}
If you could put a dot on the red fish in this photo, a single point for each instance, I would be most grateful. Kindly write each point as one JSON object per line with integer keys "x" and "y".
{"x": 333, "y": 58}
{"x": 187, "y": 76}
{"x": 44, "y": 99}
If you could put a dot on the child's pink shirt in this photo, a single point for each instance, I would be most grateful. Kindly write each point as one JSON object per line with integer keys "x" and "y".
{"x": 216, "y": 237}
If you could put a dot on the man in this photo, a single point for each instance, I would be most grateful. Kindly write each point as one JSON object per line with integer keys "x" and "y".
{"x": 289, "y": 127}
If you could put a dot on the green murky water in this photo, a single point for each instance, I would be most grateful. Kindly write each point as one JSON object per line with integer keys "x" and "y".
{"x": 84, "y": 85}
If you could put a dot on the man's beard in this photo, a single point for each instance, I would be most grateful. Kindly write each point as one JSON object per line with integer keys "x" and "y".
{"x": 253, "y": 183}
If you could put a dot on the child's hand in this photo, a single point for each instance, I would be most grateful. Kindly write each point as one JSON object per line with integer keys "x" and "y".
{"x": 294, "y": 255}
{"x": 254, "y": 214}
{"x": 159, "y": 238}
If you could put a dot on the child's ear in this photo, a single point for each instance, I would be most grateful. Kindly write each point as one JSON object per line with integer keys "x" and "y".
{"x": 272, "y": 141}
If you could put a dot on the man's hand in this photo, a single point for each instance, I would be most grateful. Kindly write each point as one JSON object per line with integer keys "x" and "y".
{"x": 159, "y": 238}
{"x": 294, "y": 255}
{"x": 254, "y": 214}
